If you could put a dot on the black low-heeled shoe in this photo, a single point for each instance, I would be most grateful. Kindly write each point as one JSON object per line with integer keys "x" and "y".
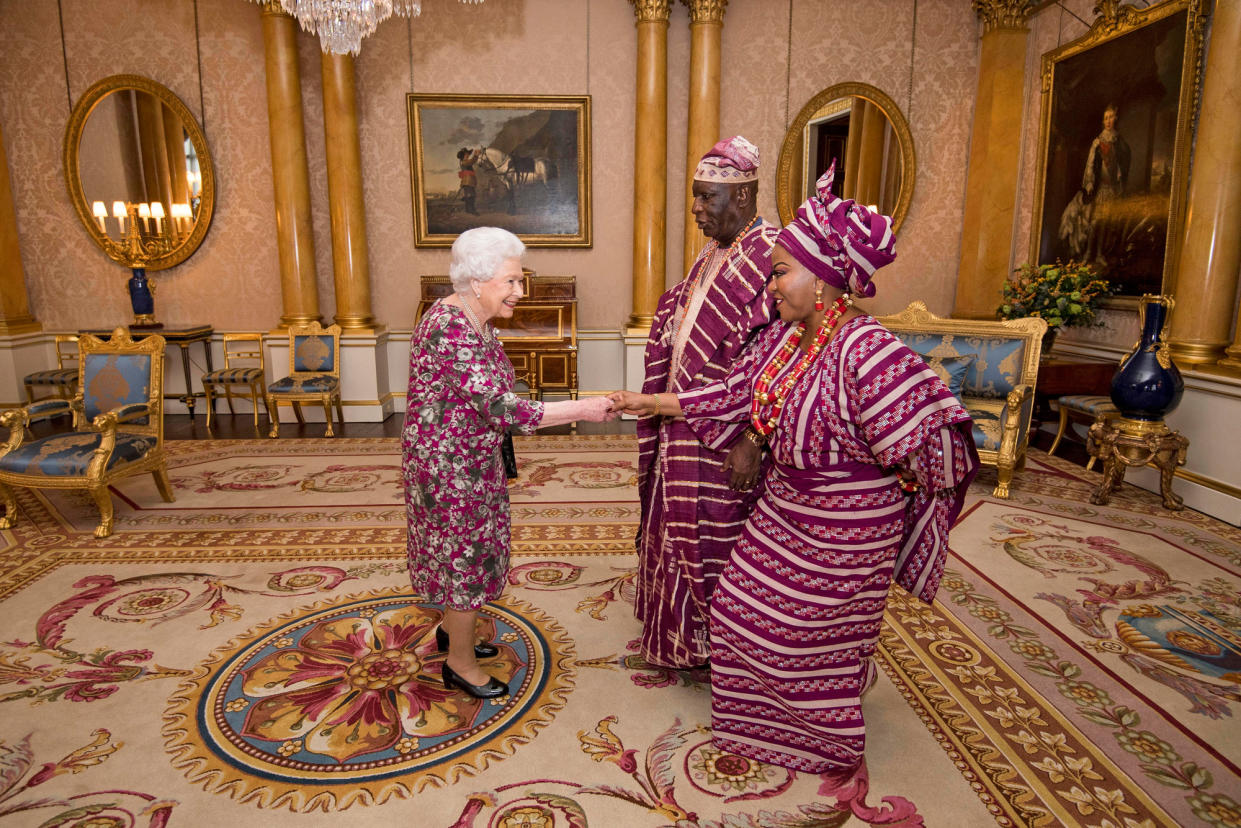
{"x": 493, "y": 689}
{"x": 480, "y": 650}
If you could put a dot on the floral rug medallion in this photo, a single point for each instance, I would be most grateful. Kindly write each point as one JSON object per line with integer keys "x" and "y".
{"x": 342, "y": 703}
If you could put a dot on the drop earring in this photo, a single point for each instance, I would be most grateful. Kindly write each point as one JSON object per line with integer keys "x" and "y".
{"x": 818, "y": 297}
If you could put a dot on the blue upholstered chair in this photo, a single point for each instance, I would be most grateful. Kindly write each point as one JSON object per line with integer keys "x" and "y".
{"x": 118, "y": 428}
{"x": 314, "y": 375}
{"x": 992, "y": 367}
{"x": 242, "y": 374}
{"x": 63, "y": 379}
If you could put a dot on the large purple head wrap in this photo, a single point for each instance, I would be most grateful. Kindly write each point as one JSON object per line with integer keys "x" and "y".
{"x": 838, "y": 240}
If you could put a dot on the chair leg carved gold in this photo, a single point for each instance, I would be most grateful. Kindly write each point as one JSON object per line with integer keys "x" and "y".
{"x": 9, "y": 501}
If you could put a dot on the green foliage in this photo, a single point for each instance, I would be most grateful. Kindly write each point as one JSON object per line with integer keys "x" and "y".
{"x": 1063, "y": 294}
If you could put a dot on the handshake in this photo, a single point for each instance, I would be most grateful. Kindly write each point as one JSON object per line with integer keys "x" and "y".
{"x": 605, "y": 409}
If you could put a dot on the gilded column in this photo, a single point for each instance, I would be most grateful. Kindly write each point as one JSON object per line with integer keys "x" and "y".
{"x": 1205, "y": 283}
{"x": 650, "y": 160}
{"x": 15, "y": 315}
{"x": 350, "y": 267}
{"x": 705, "y": 27}
{"x": 995, "y": 147}
{"x": 295, "y": 241}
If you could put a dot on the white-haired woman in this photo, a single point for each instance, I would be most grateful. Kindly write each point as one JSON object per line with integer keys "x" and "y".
{"x": 460, "y": 405}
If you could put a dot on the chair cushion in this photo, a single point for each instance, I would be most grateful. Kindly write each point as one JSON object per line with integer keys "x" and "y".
{"x": 69, "y": 455}
{"x": 998, "y": 367}
{"x": 313, "y": 353}
{"x": 112, "y": 380}
{"x": 1091, "y": 404}
{"x": 316, "y": 384}
{"x": 986, "y": 415}
{"x": 229, "y": 376}
{"x": 951, "y": 369}
{"x": 54, "y": 376}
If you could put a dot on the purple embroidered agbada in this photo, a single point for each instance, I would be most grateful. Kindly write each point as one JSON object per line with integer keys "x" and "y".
{"x": 460, "y": 404}
{"x": 690, "y": 517}
{"x": 796, "y": 614}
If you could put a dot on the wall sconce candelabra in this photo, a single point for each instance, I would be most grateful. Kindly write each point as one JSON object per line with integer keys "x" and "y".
{"x": 146, "y": 233}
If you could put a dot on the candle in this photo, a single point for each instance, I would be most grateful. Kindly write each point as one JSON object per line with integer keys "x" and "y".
{"x": 101, "y": 213}
{"x": 118, "y": 213}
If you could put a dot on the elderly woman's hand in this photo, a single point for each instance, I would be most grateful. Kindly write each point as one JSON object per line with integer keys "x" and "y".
{"x": 597, "y": 410}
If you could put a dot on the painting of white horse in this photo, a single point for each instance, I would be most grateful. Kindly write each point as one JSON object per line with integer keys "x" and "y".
{"x": 517, "y": 162}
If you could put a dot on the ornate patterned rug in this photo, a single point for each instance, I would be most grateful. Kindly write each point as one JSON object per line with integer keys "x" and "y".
{"x": 251, "y": 654}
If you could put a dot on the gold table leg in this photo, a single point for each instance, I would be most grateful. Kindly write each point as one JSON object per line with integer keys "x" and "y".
{"x": 1122, "y": 443}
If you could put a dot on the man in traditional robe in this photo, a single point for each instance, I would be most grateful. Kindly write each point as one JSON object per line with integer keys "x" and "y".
{"x": 690, "y": 515}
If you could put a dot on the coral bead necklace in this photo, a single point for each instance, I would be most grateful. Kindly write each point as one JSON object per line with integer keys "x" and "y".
{"x": 766, "y": 398}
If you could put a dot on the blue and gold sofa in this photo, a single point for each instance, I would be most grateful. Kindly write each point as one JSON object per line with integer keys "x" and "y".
{"x": 118, "y": 428}
{"x": 991, "y": 366}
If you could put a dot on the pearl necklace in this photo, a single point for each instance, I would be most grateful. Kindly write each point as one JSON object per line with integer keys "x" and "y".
{"x": 763, "y": 396}
{"x": 484, "y": 331}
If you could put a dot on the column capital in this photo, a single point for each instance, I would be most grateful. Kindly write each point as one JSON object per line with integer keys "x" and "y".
{"x": 1003, "y": 14}
{"x": 652, "y": 11}
{"x": 273, "y": 7}
{"x": 706, "y": 11}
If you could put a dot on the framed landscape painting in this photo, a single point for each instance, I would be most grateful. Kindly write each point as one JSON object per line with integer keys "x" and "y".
{"x": 1117, "y": 115}
{"x": 512, "y": 161}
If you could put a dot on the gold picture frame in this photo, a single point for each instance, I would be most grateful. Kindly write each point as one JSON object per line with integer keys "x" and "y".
{"x": 521, "y": 162}
{"x": 1114, "y": 195}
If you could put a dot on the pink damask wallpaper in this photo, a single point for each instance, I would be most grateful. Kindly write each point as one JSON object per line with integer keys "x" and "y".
{"x": 926, "y": 61}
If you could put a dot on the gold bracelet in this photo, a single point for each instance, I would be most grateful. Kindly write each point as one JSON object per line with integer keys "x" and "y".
{"x": 754, "y": 437}
{"x": 655, "y": 408}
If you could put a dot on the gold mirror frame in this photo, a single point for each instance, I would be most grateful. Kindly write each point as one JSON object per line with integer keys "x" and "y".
{"x": 791, "y": 152}
{"x": 73, "y": 171}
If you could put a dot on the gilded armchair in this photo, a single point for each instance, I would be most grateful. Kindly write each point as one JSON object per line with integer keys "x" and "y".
{"x": 992, "y": 367}
{"x": 118, "y": 428}
{"x": 314, "y": 375}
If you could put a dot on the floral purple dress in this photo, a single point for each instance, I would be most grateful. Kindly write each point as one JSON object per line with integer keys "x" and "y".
{"x": 459, "y": 406}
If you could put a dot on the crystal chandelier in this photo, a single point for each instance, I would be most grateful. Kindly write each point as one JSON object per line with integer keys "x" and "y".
{"x": 341, "y": 24}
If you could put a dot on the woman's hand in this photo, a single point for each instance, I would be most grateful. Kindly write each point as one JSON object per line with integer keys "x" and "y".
{"x": 597, "y": 410}
{"x": 630, "y": 402}
{"x": 743, "y": 460}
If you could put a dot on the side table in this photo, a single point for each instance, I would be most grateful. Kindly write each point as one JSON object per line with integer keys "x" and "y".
{"x": 182, "y": 337}
{"x": 1121, "y": 442}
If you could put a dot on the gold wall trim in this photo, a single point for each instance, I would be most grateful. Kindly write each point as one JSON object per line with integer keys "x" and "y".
{"x": 1209, "y": 483}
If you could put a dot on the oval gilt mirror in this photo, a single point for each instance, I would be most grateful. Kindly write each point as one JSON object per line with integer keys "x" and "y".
{"x": 139, "y": 172}
{"x": 863, "y": 130}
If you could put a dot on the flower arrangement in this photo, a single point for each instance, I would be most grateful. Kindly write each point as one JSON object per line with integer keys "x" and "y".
{"x": 1065, "y": 295}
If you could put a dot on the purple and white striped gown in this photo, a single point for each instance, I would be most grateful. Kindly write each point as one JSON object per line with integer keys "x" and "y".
{"x": 796, "y": 614}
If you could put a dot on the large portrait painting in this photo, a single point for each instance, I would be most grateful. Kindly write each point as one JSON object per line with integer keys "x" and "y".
{"x": 511, "y": 161}
{"x": 1118, "y": 108}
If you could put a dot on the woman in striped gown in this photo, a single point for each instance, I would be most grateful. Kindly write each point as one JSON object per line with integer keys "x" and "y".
{"x": 872, "y": 455}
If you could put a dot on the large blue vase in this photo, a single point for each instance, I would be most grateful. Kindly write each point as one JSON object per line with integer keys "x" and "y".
{"x": 1148, "y": 385}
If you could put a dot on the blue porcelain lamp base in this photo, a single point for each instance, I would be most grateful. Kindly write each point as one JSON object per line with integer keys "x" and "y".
{"x": 142, "y": 300}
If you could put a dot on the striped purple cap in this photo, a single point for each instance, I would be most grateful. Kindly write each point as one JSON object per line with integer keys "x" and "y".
{"x": 838, "y": 240}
